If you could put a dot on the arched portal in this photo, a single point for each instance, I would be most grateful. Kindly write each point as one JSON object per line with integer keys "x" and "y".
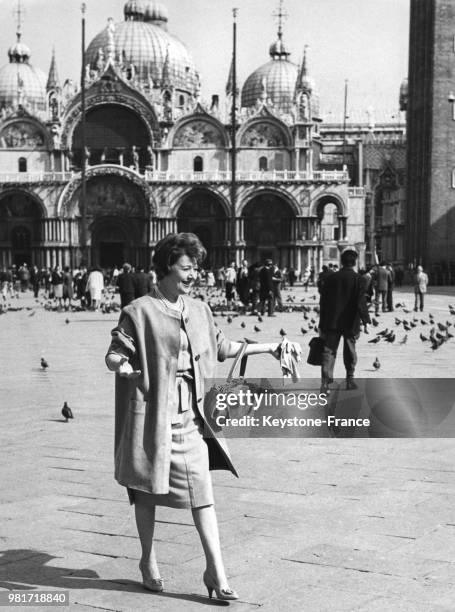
{"x": 112, "y": 131}
{"x": 118, "y": 219}
{"x": 331, "y": 227}
{"x": 111, "y": 242}
{"x": 20, "y": 228}
{"x": 267, "y": 228}
{"x": 203, "y": 214}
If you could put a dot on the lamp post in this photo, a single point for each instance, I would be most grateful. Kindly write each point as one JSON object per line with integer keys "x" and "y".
{"x": 232, "y": 232}
{"x": 83, "y": 198}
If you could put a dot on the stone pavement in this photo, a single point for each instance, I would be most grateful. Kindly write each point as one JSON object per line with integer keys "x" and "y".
{"x": 311, "y": 524}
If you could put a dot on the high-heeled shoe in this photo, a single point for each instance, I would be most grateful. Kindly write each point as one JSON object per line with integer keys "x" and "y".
{"x": 210, "y": 584}
{"x": 151, "y": 584}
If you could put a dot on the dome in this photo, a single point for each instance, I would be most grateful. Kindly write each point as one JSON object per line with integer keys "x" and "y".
{"x": 157, "y": 13}
{"x": 19, "y": 52}
{"x": 279, "y": 77}
{"x": 145, "y": 45}
{"x": 20, "y": 82}
{"x": 134, "y": 10}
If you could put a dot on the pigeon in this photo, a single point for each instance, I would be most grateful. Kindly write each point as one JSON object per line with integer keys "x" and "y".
{"x": 66, "y": 412}
{"x": 243, "y": 324}
{"x": 384, "y": 332}
{"x": 260, "y": 319}
{"x": 423, "y": 322}
{"x": 44, "y": 363}
{"x": 390, "y": 338}
{"x": 423, "y": 338}
{"x": 374, "y": 340}
{"x": 404, "y": 340}
{"x": 282, "y": 332}
{"x": 257, "y": 329}
{"x": 229, "y": 319}
{"x": 67, "y": 321}
{"x": 32, "y": 314}
{"x": 375, "y": 322}
{"x": 397, "y": 321}
{"x": 303, "y": 330}
{"x": 442, "y": 327}
{"x": 376, "y": 364}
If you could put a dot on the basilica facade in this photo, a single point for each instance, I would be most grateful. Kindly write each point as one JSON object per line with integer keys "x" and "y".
{"x": 158, "y": 158}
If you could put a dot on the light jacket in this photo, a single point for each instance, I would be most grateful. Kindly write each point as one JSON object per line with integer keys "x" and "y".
{"x": 148, "y": 334}
{"x": 420, "y": 282}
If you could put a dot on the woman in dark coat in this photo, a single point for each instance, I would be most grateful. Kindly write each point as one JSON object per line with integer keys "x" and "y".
{"x": 164, "y": 347}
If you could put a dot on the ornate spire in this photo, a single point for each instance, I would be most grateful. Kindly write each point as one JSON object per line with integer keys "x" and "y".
{"x": 166, "y": 74}
{"x": 19, "y": 53}
{"x": 110, "y": 40}
{"x": 53, "y": 82}
{"x": 304, "y": 82}
{"x": 278, "y": 49}
{"x": 229, "y": 83}
{"x": 280, "y": 15}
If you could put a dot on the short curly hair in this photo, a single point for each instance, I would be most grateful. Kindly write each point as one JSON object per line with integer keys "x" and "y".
{"x": 170, "y": 248}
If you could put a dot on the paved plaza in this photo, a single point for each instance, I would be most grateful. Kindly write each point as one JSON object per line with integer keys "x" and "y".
{"x": 311, "y": 524}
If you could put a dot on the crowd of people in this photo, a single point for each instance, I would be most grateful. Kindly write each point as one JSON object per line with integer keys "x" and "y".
{"x": 257, "y": 287}
{"x": 66, "y": 287}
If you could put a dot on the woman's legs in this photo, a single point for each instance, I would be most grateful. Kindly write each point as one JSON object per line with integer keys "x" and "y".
{"x": 207, "y": 526}
{"x": 145, "y": 522}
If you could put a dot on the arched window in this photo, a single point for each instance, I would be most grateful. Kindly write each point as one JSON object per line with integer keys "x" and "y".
{"x": 198, "y": 164}
{"x": 22, "y": 163}
{"x": 263, "y": 164}
{"x": 181, "y": 101}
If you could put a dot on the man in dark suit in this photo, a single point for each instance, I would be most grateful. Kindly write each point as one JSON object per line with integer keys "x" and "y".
{"x": 126, "y": 285}
{"x": 142, "y": 282}
{"x": 342, "y": 309}
{"x": 266, "y": 288}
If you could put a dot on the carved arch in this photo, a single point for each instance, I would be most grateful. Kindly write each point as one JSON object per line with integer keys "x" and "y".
{"x": 198, "y": 130}
{"x": 42, "y": 210}
{"x": 317, "y": 207}
{"x": 106, "y": 170}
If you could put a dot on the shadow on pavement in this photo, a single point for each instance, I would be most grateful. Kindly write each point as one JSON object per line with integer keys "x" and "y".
{"x": 27, "y": 569}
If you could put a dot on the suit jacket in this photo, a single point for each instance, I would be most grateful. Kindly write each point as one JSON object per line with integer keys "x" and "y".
{"x": 343, "y": 303}
{"x": 383, "y": 278}
{"x": 148, "y": 335}
{"x": 142, "y": 284}
{"x": 125, "y": 283}
{"x": 265, "y": 277}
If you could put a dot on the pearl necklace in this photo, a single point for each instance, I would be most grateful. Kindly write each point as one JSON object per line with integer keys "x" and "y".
{"x": 177, "y": 306}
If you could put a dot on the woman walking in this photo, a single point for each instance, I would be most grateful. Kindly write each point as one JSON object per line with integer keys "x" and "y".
{"x": 164, "y": 346}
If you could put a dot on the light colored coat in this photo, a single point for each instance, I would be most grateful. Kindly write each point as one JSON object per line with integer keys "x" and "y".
{"x": 148, "y": 334}
{"x": 420, "y": 282}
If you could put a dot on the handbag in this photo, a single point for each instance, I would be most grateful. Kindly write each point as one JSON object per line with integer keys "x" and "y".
{"x": 212, "y": 410}
{"x": 316, "y": 351}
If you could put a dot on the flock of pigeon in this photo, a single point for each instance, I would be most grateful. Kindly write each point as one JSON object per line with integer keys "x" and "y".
{"x": 435, "y": 333}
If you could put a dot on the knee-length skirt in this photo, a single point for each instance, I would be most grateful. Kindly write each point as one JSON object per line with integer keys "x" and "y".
{"x": 190, "y": 483}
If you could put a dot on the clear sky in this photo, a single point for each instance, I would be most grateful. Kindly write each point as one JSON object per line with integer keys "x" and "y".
{"x": 364, "y": 41}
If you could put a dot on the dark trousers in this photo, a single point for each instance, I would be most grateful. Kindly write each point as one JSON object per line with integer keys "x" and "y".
{"x": 390, "y": 300}
{"x": 331, "y": 341}
{"x": 419, "y": 297}
{"x": 270, "y": 299}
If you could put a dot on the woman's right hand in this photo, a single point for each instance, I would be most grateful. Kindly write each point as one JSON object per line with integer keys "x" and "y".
{"x": 126, "y": 370}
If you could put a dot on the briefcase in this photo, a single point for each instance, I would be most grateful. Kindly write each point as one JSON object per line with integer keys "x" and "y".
{"x": 316, "y": 351}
